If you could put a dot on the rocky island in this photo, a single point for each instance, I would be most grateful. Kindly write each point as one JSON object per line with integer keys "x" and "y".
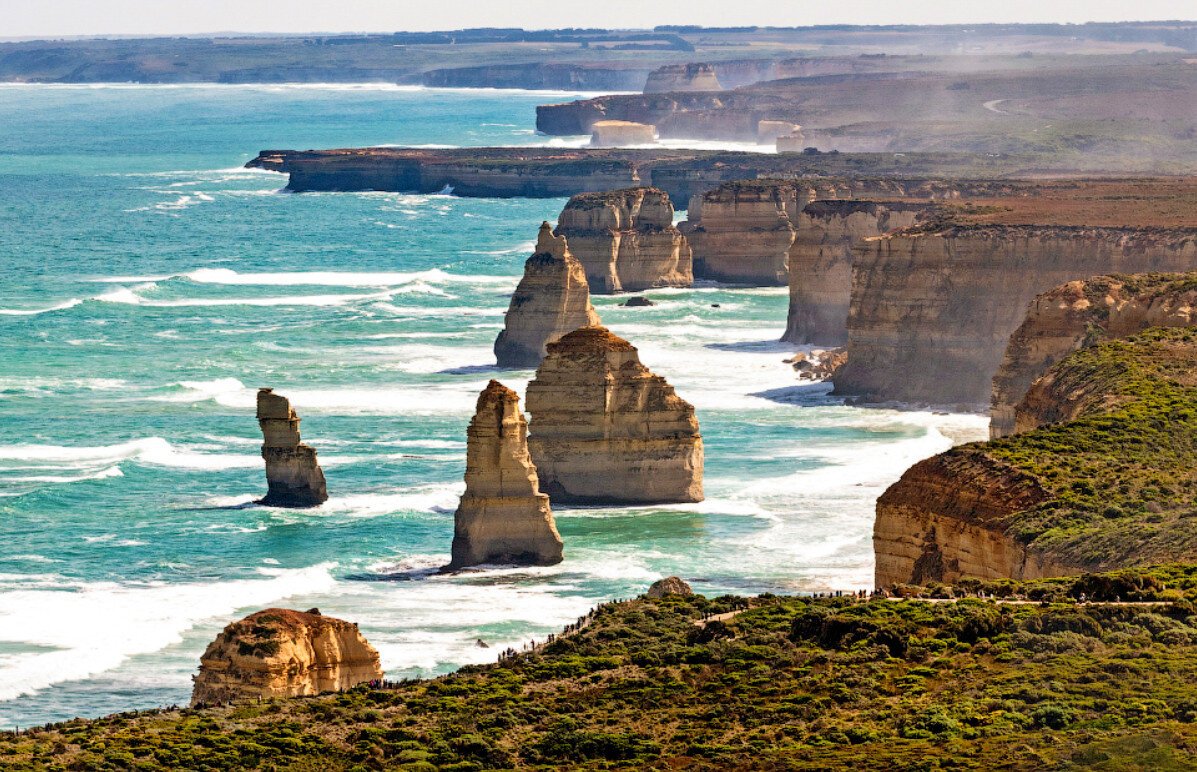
{"x": 503, "y": 517}
{"x": 605, "y": 429}
{"x": 293, "y": 477}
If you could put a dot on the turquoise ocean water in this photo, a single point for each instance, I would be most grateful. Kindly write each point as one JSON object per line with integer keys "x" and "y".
{"x": 149, "y": 285}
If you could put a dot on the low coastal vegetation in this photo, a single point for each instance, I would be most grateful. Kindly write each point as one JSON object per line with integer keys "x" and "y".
{"x": 1032, "y": 680}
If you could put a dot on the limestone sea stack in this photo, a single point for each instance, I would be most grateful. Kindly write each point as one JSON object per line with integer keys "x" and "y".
{"x": 293, "y": 477}
{"x": 503, "y": 517}
{"x": 604, "y": 429}
{"x": 626, "y": 240}
{"x": 745, "y": 231}
{"x": 682, "y": 77}
{"x": 552, "y": 298}
{"x": 621, "y": 134}
{"x": 284, "y": 653}
{"x": 1082, "y": 313}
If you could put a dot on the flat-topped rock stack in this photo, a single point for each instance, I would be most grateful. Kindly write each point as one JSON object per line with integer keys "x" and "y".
{"x": 1079, "y": 314}
{"x": 293, "y": 476}
{"x": 503, "y": 517}
{"x": 626, "y": 240}
{"x": 682, "y": 77}
{"x": 621, "y": 134}
{"x": 604, "y": 429}
{"x": 552, "y": 298}
{"x": 283, "y": 653}
{"x": 741, "y": 232}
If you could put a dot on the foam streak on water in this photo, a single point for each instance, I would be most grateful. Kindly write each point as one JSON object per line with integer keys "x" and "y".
{"x": 152, "y": 285}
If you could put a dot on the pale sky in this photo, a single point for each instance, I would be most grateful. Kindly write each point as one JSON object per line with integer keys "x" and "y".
{"x": 23, "y": 18}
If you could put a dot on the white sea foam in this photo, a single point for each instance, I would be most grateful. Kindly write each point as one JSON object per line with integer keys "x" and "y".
{"x": 103, "y": 474}
{"x": 34, "y": 311}
{"x": 148, "y": 450}
{"x": 94, "y": 627}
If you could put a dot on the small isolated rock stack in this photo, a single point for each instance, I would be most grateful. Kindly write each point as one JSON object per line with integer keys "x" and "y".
{"x": 682, "y": 77}
{"x": 552, "y": 299}
{"x": 503, "y": 517}
{"x": 626, "y": 240}
{"x": 293, "y": 477}
{"x": 604, "y": 429}
{"x": 621, "y": 133}
{"x": 284, "y": 653}
{"x": 768, "y": 132}
{"x": 670, "y": 585}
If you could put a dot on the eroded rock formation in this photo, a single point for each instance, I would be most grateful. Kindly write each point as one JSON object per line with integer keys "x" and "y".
{"x": 293, "y": 477}
{"x": 670, "y": 585}
{"x": 604, "y": 429}
{"x": 1081, "y": 313}
{"x": 682, "y": 77}
{"x": 933, "y": 309}
{"x": 284, "y": 653}
{"x": 621, "y": 134}
{"x": 626, "y": 240}
{"x": 503, "y": 517}
{"x": 821, "y": 258}
{"x": 552, "y": 298}
{"x": 1105, "y": 482}
{"x": 769, "y": 132}
{"x": 741, "y": 232}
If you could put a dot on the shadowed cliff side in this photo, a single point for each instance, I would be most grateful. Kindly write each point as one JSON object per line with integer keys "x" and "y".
{"x": 604, "y": 429}
{"x": 1079, "y": 314}
{"x": 292, "y": 474}
{"x": 1112, "y": 485}
{"x": 284, "y": 653}
{"x": 503, "y": 517}
{"x": 552, "y": 298}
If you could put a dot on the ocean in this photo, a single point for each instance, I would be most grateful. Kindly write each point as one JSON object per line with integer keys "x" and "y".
{"x": 150, "y": 285}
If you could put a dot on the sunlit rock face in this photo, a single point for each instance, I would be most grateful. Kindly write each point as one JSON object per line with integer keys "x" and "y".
{"x": 293, "y": 477}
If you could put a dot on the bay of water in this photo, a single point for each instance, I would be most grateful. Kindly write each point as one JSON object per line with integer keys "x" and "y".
{"x": 149, "y": 285}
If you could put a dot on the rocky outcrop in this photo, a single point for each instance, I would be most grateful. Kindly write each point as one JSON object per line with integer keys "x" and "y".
{"x": 745, "y": 232}
{"x": 293, "y": 477}
{"x": 821, "y": 257}
{"x": 552, "y": 298}
{"x": 1078, "y": 314}
{"x": 626, "y": 240}
{"x": 670, "y": 585}
{"x": 604, "y": 429}
{"x": 503, "y": 517}
{"x": 794, "y": 142}
{"x": 932, "y": 309}
{"x": 284, "y": 653}
{"x": 769, "y": 132}
{"x": 1105, "y": 482}
{"x": 682, "y": 77}
{"x": 621, "y": 134}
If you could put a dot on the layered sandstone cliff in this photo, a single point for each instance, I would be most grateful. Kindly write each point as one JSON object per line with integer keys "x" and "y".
{"x": 552, "y": 298}
{"x": 621, "y": 134}
{"x": 821, "y": 258}
{"x": 1105, "y": 482}
{"x": 293, "y": 477}
{"x": 626, "y": 240}
{"x": 682, "y": 77}
{"x": 604, "y": 429}
{"x": 741, "y": 232}
{"x": 503, "y": 517}
{"x": 284, "y": 653}
{"x": 932, "y": 309}
{"x": 1078, "y": 314}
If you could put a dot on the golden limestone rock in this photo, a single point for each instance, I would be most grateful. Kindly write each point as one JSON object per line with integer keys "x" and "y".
{"x": 503, "y": 517}
{"x": 673, "y": 78}
{"x": 293, "y": 477}
{"x": 604, "y": 429}
{"x": 621, "y": 134}
{"x": 626, "y": 240}
{"x": 284, "y": 653}
{"x": 552, "y": 299}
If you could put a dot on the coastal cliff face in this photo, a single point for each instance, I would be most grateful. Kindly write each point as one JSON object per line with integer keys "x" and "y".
{"x": 931, "y": 311}
{"x": 621, "y": 134}
{"x": 503, "y": 517}
{"x": 745, "y": 232}
{"x": 626, "y": 240}
{"x": 293, "y": 477}
{"x": 1078, "y": 314}
{"x": 552, "y": 298}
{"x": 1106, "y": 481}
{"x": 284, "y": 653}
{"x": 682, "y": 77}
{"x": 604, "y": 429}
{"x": 821, "y": 259}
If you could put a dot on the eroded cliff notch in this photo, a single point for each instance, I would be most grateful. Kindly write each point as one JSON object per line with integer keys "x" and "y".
{"x": 605, "y": 429}
{"x": 293, "y": 476}
{"x": 626, "y": 240}
{"x": 503, "y": 517}
{"x": 284, "y": 653}
{"x": 552, "y": 298}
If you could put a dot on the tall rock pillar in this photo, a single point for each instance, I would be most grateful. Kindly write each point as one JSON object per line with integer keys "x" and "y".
{"x": 292, "y": 474}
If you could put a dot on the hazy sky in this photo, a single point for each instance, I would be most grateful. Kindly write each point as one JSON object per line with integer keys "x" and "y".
{"x": 96, "y": 17}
